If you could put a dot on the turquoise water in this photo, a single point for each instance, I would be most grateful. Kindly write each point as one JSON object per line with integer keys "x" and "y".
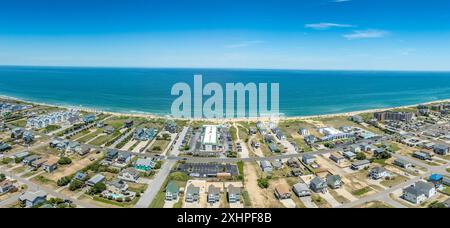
{"x": 302, "y": 93}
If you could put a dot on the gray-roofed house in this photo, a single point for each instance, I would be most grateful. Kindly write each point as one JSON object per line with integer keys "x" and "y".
{"x": 419, "y": 192}
{"x": 117, "y": 186}
{"x": 266, "y": 166}
{"x": 28, "y": 160}
{"x": 172, "y": 191}
{"x": 301, "y": 190}
{"x": 111, "y": 155}
{"x": 277, "y": 164}
{"x": 308, "y": 159}
{"x": 192, "y": 194}
{"x": 31, "y": 199}
{"x": 422, "y": 155}
{"x": 336, "y": 157}
{"x": 213, "y": 194}
{"x": 378, "y": 173}
{"x": 129, "y": 174}
{"x": 441, "y": 149}
{"x": 334, "y": 181}
{"x": 403, "y": 163}
{"x": 358, "y": 165}
{"x": 234, "y": 194}
{"x": 318, "y": 185}
{"x": 80, "y": 176}
{"x": 446, "y": 181}
{"x": 349, "y": 155}
{"x": 95, "y": 179}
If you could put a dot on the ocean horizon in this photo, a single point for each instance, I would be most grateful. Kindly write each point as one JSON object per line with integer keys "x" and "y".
{"x": 147, "y": 90}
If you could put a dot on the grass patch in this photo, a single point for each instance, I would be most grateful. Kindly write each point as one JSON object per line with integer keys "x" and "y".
{"x": 246, "y": 199}
{"x": 361, "y": 192}
{"x": 393, "y": 181}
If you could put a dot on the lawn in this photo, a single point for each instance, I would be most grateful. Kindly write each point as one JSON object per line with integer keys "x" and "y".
{"x": 19, "y": 123}
{"x": 161, "y": 144}
{"x": 446, "y": 191}
{"x": 104, "y": 139}
{"x": 361, "y": 192}
{"x": 398, "y": 179}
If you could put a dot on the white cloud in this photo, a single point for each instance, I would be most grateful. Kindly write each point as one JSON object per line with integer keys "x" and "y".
{"x": 366, "y": 34}
{"x": 324, "y": 26}
{"x": 244, "y": 44}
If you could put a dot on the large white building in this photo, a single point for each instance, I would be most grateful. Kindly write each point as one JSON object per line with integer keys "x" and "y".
{"x": 211, "y": 138}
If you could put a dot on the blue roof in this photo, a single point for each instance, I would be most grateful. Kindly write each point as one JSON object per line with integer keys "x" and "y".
{"x": 435, "y": 177}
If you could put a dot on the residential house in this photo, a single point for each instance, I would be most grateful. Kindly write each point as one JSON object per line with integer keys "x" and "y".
{"x": 310, "y": 139}
{"x": 128, "y": 123}
{"x": 297, "y": 172}
{"x": 144, "y": 164}
{"x": 301, "y": 190}
{"x": 308, "y": 159}
{"x": 304, "y": 132}
{"x": 170, "y": 126}
{"x": 277, "y": 164}
{"x": 6, "y": 186}
{"x": 83, "y": 150}
{"x": 4, "y": 147}
{"x": 17, "y": 133}
{"x": 355, "y": 148}
{"x": 419, "y": 192}
{"x": 334, "y": 181}
{"x": 38, "y": 163}
{"x": 234, "y": 194}
{"x": 422, "y": 155}
{"x": 50, "y": 165}
{"x": 266, "y": 167}
{"x": 358, "y": 165}
{"x": 192, "y": 194}
{"x": 117, "y": 186}
{"x": 282, "y": 191}
{"x": 28, "y": 137}
{"x": 366, "y": 147}
{"x": 441, "y": 149}
{"x": 336, "y": 157}
{"x": 172, "y": 191}
{"x": 403, "y": 163}
{"x": 89, "y": 118}
{"x": 349, "y": 155}
{"x": 109, "y": 130}
{"x": 98, "y": 178}
{"x": 446, "y": 181}
{"x": 80, "y": 176}
{"x": 28, "y": 160}
{"x": 436, "y": 179}
{"x": 124, "y": 158}
{"x": 378, "y": 173}
{"x": 130, "y": 174}
{"x": 21, "y": 155}
{"x": 59, "y": 144}
{"x": 447, "y": 203}
{"x": 111, "y": 155}
{"x": 145, "y": 134}
{"x": 213, "y": 194}
{"x": 293, "y": 163}
{"x": 318, "y": 185}
{"x": 31, "y": 199}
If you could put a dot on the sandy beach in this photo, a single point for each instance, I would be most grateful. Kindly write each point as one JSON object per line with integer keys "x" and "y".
{"x": 223, "y": 120}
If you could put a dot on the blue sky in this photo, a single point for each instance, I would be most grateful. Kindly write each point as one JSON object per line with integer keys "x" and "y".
{"x": 289, "y": 34}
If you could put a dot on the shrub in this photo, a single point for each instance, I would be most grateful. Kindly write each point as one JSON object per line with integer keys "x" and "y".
{"x": 75, "y": 185}
{"x": 65, "y": 161}
{"x": 263, "y": 183}
{"x": 63, "y": 181}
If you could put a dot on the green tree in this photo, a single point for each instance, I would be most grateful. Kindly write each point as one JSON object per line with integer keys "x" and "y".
{"x": 75, "y": 185}
{"x": 65, "y": 161}
{"x": 98, "y": 188}
{"x": 2, "y": 177}
{"x": 361, "y": 156}
{"x": 63, "y": 181}
{"x": 263, "y": 183}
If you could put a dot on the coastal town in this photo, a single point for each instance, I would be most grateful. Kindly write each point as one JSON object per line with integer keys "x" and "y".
{"x": 56, "y": 157}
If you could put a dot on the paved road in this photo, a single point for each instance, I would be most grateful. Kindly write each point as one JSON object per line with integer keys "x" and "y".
{"x": 34, "y": 187}
{"x": 157, "y": 183}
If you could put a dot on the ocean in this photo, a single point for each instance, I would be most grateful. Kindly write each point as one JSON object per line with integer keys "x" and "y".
{"x": 302, "y": 93}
